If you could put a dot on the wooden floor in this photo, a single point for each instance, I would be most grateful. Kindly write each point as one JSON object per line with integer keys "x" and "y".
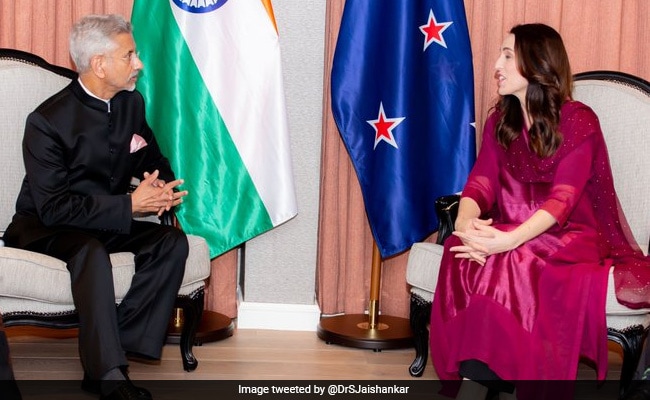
{"x": 247, "y": 355}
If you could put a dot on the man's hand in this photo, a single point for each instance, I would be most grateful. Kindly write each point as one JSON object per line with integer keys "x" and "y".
{"x": 155, "y": 196}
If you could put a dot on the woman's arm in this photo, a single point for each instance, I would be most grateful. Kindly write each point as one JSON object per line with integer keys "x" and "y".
{"x": 480, "y": 239}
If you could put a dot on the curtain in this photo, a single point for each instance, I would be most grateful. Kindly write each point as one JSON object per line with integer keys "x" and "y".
{"x": 42, "y": 27}
{"x": 598, "y": 34}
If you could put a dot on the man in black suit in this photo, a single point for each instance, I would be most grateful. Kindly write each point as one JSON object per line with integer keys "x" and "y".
{"x": 81, "y": 149}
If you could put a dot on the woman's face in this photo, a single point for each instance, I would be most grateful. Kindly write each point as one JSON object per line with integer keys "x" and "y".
{"x": 509, "y": 80}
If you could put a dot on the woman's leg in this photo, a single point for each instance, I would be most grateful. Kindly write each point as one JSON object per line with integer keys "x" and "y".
{"x": 471, "y": 390}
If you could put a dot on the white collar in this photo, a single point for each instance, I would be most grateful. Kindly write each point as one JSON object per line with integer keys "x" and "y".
{"x": 91, "y": 94}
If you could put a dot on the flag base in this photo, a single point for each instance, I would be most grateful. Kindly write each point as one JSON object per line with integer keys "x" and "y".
{"x": 354, "y": 330}
{"x": 213, "y": 327}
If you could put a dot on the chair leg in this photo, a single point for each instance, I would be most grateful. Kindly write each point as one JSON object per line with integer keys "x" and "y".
{"x": 420, "y": 316}
{"x": 631, "y": 341}
{"x": 192, "y": 311}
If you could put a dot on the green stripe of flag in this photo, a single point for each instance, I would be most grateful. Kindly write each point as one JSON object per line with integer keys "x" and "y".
{"x": 223, "y": 205}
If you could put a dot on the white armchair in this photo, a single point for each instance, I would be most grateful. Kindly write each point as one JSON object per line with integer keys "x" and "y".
{"x": 35, "y": 288}
{"x": 622, "y": 103}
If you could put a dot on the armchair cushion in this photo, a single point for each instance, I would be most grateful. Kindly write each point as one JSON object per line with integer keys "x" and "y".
{"x": 422, "y": 269}
{"x": 49, "y": 288}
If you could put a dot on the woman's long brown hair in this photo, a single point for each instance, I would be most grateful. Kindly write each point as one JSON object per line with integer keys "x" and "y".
{"x": 541, "y": 59}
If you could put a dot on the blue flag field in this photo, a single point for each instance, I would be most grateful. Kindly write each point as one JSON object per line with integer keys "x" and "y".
{"x": 403, "y": 101}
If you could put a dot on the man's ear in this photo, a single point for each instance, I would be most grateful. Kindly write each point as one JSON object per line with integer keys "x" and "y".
{"x": 97, "y": 65}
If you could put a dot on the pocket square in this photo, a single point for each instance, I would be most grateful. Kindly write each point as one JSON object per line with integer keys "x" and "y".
{"x": 137, "y": 142}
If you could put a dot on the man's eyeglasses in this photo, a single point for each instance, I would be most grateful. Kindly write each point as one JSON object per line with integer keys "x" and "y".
{"x": 128, "y": 58}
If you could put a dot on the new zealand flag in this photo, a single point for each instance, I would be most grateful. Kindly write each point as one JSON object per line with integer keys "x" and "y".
{"x": 403, "y": 101}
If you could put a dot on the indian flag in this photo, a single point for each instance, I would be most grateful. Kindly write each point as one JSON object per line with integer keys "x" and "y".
{"x": 212, "y": 83}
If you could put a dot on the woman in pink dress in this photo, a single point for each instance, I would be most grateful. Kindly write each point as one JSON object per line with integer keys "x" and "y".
{"x": 522, "y": 283}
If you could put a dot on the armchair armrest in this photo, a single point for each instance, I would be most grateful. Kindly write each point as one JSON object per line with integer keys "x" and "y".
{"x": 168, "y": 218}
{"x": 447, "y": 211}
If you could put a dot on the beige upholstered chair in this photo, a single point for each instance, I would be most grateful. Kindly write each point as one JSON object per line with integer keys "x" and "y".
{"x": 35, "y": 288}
{"x": 622, "y": 103}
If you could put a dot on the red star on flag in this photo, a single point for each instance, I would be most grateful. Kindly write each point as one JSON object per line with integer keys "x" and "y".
{"x": 432, "y": 31}
{"x": 384, "y": 127}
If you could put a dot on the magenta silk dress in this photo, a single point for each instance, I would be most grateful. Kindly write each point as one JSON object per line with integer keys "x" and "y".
{"x": 532, "y": 312}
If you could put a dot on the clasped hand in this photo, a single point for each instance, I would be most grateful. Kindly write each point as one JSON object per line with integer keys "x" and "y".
{"x": 480, "y": 240}
{"x": 156, "y": 196}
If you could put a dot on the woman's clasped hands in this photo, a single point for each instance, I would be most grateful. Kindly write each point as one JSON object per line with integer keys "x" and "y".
{"x": 480, "y": 239}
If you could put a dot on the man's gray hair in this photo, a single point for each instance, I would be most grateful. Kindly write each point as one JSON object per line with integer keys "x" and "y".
{"x": 93, "y": 35}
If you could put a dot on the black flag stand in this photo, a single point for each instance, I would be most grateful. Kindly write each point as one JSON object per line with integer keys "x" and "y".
{"x": 371, "y": 331}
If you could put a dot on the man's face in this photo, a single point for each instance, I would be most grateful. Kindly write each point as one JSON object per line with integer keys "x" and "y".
{"x": 122, "y": 65}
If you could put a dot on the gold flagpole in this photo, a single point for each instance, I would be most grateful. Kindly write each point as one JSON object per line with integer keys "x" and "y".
{"x": 368, "y": 331}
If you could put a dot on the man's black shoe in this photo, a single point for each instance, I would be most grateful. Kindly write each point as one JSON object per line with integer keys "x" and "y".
{"x": 94, "y": 386}
{"x": 125, "y": 390}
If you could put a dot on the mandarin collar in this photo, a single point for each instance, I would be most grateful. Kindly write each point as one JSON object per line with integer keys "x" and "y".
{"x": 87, "y": 99}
